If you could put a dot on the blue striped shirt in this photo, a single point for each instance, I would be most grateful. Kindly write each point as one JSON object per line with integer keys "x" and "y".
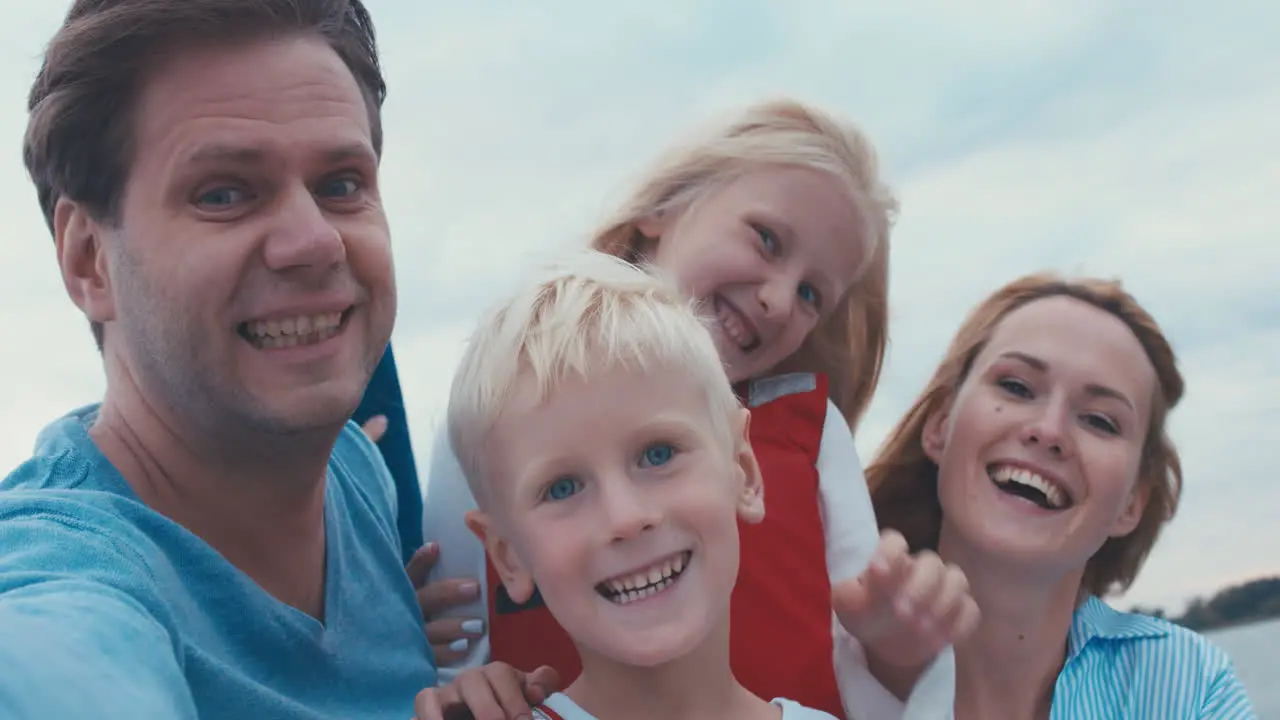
{"x": 1124, "y": 665}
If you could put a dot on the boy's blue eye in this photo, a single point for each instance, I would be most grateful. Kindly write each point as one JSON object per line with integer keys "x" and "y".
{"x": 659, "y": 454}
{"x": 562, "y": 488}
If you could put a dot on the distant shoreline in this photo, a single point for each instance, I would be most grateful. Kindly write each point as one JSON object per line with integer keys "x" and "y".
{"x": 1238, "y": 625}
{"x": 1244, "y": 604}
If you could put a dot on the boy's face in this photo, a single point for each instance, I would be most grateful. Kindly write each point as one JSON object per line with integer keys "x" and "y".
{"x": 619, "y": 498}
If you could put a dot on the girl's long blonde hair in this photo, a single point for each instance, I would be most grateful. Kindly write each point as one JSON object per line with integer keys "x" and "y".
{"x": 849, "y": 346}
{"x": 904, "y": 481}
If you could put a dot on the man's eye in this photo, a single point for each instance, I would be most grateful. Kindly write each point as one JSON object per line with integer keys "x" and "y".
{"x": 222, "y": 197}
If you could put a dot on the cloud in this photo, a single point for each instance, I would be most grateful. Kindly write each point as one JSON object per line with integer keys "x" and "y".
{"x": 1130, "y": 139}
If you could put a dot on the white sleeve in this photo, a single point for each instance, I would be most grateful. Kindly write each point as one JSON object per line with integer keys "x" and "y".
{"x": 852, "y": 535}
{"x": 847, "y": 517}
{"x": 447, "y": 500}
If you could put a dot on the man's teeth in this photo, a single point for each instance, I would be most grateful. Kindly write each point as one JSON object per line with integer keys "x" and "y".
{"x": 735, "y": 328}
{"x": 291, "y": 332}
{"x": 654, "y": 579}
{"x": 1054, "y": 496}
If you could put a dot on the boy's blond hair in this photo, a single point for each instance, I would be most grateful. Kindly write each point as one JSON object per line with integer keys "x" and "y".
{"x": 850, "y": 344}
{"x": 588, "y": 313}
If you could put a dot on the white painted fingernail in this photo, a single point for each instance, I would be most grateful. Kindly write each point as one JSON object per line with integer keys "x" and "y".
{"x": 459, "y": 645}
{"x": 473, "y": 626}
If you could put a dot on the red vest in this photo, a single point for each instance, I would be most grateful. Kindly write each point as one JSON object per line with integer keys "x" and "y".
{"x": 780, "y": 619}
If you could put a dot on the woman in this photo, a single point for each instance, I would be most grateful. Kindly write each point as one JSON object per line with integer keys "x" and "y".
{"x": 1036, "y": 460}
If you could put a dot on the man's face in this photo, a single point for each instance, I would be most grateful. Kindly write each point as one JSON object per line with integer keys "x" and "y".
{"x": 251, "y": 272}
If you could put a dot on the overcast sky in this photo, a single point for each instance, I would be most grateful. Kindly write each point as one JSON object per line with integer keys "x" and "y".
{"x": 1130, "y": 139}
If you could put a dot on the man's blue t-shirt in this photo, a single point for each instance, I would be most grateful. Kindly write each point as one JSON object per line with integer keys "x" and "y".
{"x": 110, "y": 610}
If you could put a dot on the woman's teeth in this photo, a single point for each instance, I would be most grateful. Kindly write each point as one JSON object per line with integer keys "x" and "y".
{"x": 1029, "y": 485}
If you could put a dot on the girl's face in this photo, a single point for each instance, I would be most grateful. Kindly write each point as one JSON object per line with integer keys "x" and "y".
{"x": 768, "y": 254}
{"x": 1038, "y": 455}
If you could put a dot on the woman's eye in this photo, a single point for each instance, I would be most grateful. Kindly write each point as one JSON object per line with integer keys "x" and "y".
{"x": 1014, "y": 387}
{"x": 658, "y": 455}
{"x": 562, "y": 488}
{"x": 1103, "y": 423}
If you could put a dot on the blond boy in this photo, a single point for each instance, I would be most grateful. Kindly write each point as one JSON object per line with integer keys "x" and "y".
{"x": 609, "y": 459}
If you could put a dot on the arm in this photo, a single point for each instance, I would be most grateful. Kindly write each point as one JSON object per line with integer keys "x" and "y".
{"x": 448, "y": 498}
{"x": 850, "y": 527}
{"x": 1226, "y": 698}
{"x": 73, "y": 645}
{"x": 852, "y": 537}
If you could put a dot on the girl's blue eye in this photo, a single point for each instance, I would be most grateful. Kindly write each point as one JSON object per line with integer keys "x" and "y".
{"x": 807, "y": 293}
{"x": 660, "y": 454}
{"x": 562, "y": 488}
{"x": 767, "y": 238}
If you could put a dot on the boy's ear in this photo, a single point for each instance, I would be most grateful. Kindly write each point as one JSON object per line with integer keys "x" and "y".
{"x": 751, "y": 482}
{"x": 518, "y": 580}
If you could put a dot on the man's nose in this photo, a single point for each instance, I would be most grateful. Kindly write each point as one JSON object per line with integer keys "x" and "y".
{"x": 302, "y": 237}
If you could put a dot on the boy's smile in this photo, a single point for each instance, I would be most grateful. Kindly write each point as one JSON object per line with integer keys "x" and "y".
{"x": 619, "y": 497}
{"x": 646, "y": 582}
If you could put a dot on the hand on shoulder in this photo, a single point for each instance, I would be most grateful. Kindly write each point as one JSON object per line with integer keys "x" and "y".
{"x": 496, "y": 691}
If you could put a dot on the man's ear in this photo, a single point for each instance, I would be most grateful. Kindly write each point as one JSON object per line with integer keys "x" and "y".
{"x": 1132, "y": 514}
{"x": 750, "y": 479}
{"x": 82, "y": 258}
{"x": 933, "y": 438}
{"x": 518, "y": 580}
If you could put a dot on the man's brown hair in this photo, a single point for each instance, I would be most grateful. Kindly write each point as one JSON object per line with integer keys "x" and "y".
{"x": 79, "y": 140}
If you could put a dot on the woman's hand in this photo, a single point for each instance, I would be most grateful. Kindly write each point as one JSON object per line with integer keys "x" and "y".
{"x": 496, "y": 691}
{"x": 905, "y": 608}
{"x": 375, "y": 427}
{"x": 450, "y": 638}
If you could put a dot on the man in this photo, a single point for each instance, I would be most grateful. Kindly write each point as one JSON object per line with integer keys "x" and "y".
{"x": 213, "y": 539}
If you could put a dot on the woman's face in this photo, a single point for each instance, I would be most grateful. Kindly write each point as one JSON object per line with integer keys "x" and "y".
{"x": 1039, "y": 452}
{"x": 769, "y": 254}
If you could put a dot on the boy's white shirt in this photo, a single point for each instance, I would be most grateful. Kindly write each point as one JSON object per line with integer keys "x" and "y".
{"x": 851, "y": 537}
{"x": 569, "y": 710}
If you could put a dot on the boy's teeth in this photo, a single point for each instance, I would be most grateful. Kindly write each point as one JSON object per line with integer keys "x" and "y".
{"x": 646, "y": 582}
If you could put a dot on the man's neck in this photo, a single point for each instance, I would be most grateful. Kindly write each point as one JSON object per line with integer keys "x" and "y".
{"x": 257, "y": 502}
{"x": 1009, "y": 666}
{"x": 698, "y": 685}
